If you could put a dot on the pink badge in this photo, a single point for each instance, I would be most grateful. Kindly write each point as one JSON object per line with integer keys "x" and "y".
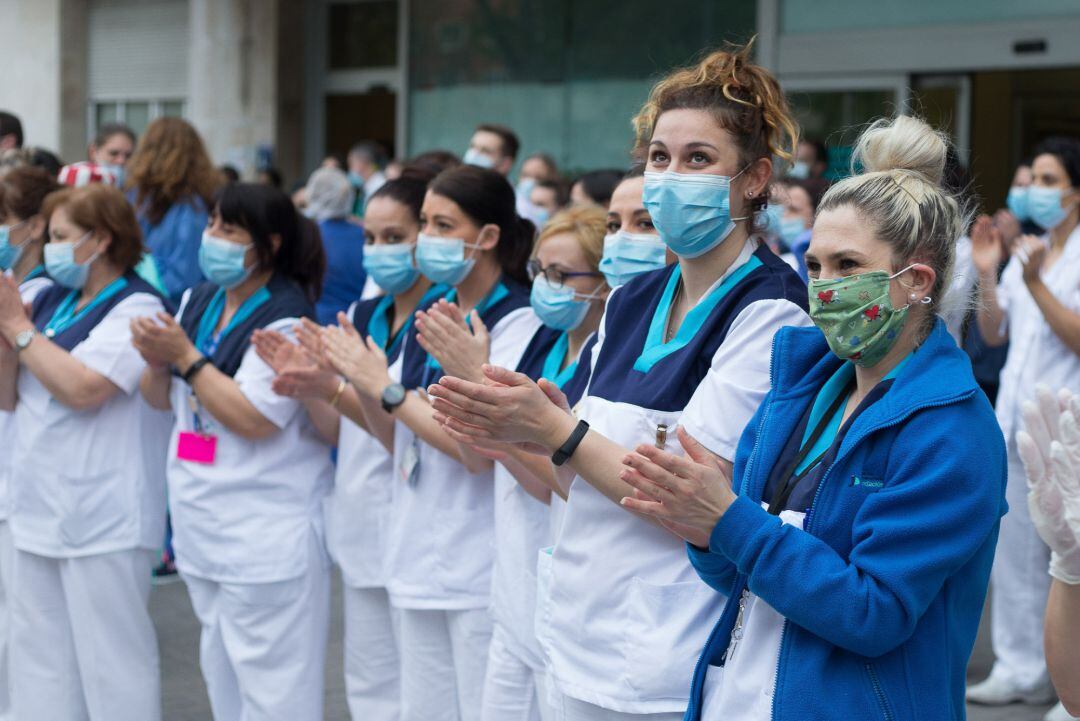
{"x": 196, "y": 447}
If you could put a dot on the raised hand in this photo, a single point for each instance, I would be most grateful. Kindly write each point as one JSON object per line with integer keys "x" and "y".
{"x": 987, "y": 249}
{"x": 460, "y": 347}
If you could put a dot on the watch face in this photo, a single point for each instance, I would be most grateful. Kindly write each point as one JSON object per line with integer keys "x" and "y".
{"x": 393, "y": 395}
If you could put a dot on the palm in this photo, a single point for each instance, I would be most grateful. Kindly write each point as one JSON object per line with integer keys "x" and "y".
{"x": 986, "y": 245}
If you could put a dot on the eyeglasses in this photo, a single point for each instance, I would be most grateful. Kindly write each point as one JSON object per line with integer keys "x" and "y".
{"x": 556, "y": 277}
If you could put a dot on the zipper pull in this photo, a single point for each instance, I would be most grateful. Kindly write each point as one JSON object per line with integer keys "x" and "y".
{"x": 661, "y": 435}
{"x": 737, "y": 631}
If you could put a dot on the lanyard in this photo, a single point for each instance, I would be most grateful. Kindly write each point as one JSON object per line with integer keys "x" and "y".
{"x": 781, "y": 495}
{"x": 65, "y": 316}
{"x": 205, "y": 338}
{"x": 553, "y": 369}
{"x": 494, "y": 296}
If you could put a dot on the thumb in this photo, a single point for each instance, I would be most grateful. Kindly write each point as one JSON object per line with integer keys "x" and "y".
{"x": 554, "y": 393}
{"x": 504, "y": 375}
{"x": 696, "y": 452}
{"x": 478, "y": 328}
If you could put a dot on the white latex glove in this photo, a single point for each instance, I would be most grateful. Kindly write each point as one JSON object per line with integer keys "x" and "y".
{"x": 1050, "y": 449}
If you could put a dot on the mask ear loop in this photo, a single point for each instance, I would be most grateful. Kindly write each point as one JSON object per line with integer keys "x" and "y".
{"x": 748, "y": 197}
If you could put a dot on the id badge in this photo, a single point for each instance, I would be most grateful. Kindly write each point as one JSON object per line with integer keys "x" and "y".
{"x": 196, "y": 447}
{"x": 410, "y": 464}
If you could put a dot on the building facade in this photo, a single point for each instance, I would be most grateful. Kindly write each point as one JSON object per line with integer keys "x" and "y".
{"x": 292, "y": 81}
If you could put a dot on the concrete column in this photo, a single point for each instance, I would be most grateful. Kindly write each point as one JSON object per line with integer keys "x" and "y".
{"x": 233, "y": 96}
{"x": 44, "y": 76}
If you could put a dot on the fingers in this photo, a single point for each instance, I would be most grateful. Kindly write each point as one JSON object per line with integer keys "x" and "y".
{"x": 1064, "y": 474}
{"x": 675, "y": 465}
{"x": 649, "y": 477}
{"x": 694, "y": 450}
{"x": 465, "y": 430}
{"x": 478, "y": 328}
{"x": 1070, "y": 436}
{"x": 1035, "y": 425}
{"x": 649, "y": 508}
{"x": 645, "y": 486}
{"x": 1048, "y": 406}
{"x": 1032, "y": 458}
{"x": 346, "y": 324}
{"x": 464, "y": 410}
{"x": 490, "y": 395}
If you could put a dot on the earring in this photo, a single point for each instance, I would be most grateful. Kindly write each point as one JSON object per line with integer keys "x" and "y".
{"x": 927, "y": 300}
{"x": 749, "y": 194}
{"x": 912, "y": 296}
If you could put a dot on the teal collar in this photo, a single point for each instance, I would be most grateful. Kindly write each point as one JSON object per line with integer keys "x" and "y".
{"x": 553, "y": 362}
{"x": 205, "y": 339}
{"x": 65, "y": 315}
{"x": 655, "y": 348}
{"x": 379, "y": 323}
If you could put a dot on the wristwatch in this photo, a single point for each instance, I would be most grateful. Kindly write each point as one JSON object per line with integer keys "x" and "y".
{"x": 23, "y": 338}
{"x": 392, "y": 397}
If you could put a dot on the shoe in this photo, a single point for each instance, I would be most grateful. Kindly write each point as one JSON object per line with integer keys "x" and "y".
{"x": 1058, "y": 713}
{"x": 995, "y": 691}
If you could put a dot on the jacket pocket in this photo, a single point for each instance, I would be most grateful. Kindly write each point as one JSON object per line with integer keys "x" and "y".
{"x": 881, "y": 700}
{"x": 96, "y": 508}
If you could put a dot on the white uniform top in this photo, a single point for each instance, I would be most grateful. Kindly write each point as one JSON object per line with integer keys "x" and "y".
{"x": 440, "y": 547}
{"x": 626, "y": 614}
{"x": 29, "y": 290}
{"x": 247, "y": 518}
{"x": 88, "y": 482}
{"x": 357, "y": 510}
{"x": 1036, "y": 353}
{"x": 742, "y": 689}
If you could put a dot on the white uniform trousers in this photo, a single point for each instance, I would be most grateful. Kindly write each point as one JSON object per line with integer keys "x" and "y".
{"x": 263, "y": 645}
{"x": 443, "y": 657}
{"x": 372, "y": 662}
{"x": 513, "y": 690}
{"x": 83, "y": 646}
{"x": 7, "y": 571}
{"x": 1019, "y": 584}
{"x": 571, "y": 709}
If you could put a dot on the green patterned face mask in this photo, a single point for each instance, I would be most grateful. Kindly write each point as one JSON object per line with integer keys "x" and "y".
{"x": 857, "y": 316}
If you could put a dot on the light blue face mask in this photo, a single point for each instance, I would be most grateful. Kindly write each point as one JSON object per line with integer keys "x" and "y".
{"x": 10, "y": 254}
{"x": 119, "y": 173}
{"x": 1017, "y": 201}
{"x": 771, "y": 218}
{"x": 475, "y": 157}
{"x": 222, "y": 262}
{"x": 1044, "y": 206}
{"x": 60, "y": 262}
{"x": 355, "y": 179}
{"x": 692, "y": 211}
{"x": 442, "y": 260}
{"x": 559, "y": 308}
{"x": 799, "y": 169}
{"x": 627, "y": 255}
{"x": 525, "y": 187}
{"x": 391, "y": 266}
{"x": 791, "y": 229}
{"x": 530, "y": 210}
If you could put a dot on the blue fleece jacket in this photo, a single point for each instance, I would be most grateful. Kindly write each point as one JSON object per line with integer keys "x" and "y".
{"x": 174, "y": 243}
{"x": 883, "y": 591}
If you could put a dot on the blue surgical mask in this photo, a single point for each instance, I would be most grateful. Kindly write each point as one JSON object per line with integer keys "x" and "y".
{"x": 118, "y": 172}
{"x": 222, "y": 262}
{"x": 356, "y": 179}
{"x": 1044, "y": 205}
{"x": 791, "y": 229}
{"x": 799, "y": 169}
{"x": 1017, "y": 201}
{"x": 10, "y": 254}
{"x": 443, "y": 260}
{"x": 692, "y": 211}
{"x": 475, "y": 157}
{"x": 770, "y": 219}
{"x": 61, "y": 266}
{"x": 627, "y": 255}
{"x": 559, "y": 308}
{"x": 525, "y": 187}
{"x": 391, "y": 266}
{"x": 539, "y": 216}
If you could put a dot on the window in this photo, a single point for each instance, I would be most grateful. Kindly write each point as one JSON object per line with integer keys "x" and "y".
{"x": 136, "y": 114}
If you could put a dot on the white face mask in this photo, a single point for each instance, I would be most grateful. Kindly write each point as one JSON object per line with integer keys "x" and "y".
{"x": 475, "y": 157}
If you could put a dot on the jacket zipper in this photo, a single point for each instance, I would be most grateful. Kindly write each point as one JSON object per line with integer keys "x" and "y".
{"x": 879, "y": 692}
{"x": 810, "y": 517}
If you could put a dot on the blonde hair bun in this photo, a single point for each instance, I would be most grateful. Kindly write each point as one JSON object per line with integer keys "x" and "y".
{"x": 902, "y": 143}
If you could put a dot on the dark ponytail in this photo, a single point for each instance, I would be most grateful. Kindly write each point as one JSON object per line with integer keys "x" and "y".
{"x": 487, "y": 198}
{"x": 264, "y": 211}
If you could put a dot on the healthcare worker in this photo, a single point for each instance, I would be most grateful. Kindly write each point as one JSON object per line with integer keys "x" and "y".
{"x": 358, "y": 509}
{"x": 568, "y": 294}
{"x": 1036, "y": 307}
{"x": 632, "y": 245}
{"x": 439, "y": 551}
{"x": 836, "y": 538}
{"x": 22, "y": 235}
{"x": 247, "y": 472}
{"x": 626, "y": 614}
{"x": 87, "y": 488}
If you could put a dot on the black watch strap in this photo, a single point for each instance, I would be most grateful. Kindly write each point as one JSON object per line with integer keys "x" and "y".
{"x": 194, "y": 368}
{"x": 567, "y": 449}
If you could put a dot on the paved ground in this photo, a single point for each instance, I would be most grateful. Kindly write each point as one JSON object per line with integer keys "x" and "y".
{"x": 184, "y": 695}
